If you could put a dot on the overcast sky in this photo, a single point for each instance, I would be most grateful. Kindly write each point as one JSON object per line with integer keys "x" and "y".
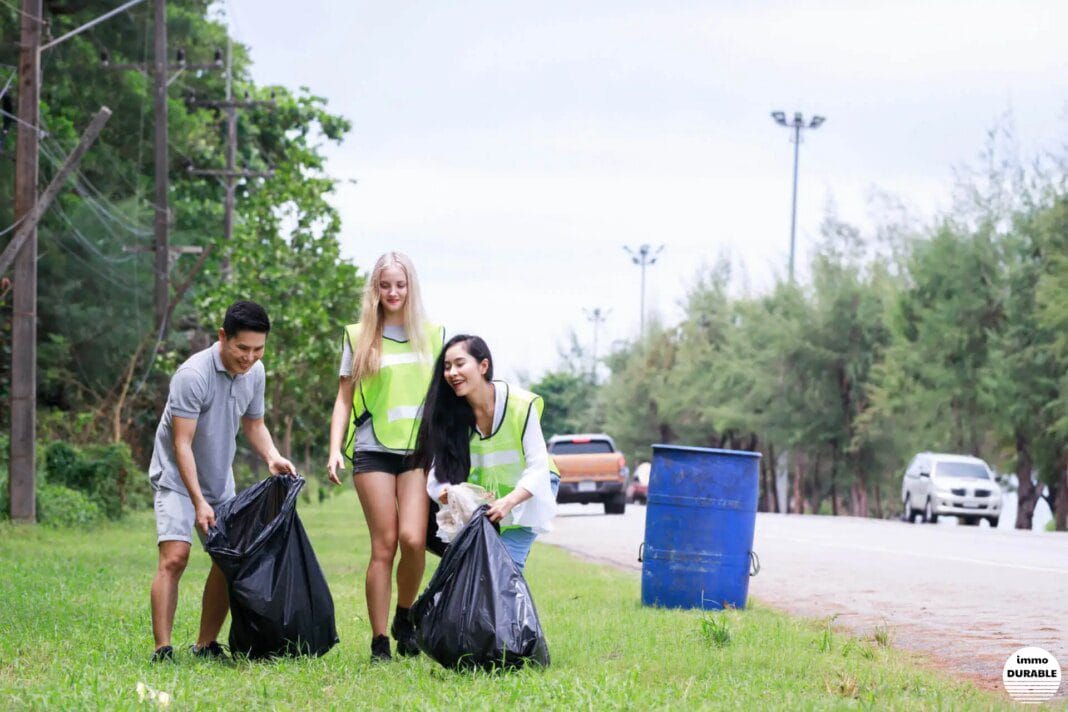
{"x": 512, "y": 149}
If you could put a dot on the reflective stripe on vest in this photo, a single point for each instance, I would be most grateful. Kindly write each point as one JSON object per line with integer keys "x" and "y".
{"x": 393, "y": 397}
{"x": 498, "y": 461}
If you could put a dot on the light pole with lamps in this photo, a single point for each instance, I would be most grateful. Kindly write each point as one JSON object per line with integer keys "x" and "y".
{"x": 643, "y": 256}
{"x": 597, "y": 316}
{"x": 797, "y": 124}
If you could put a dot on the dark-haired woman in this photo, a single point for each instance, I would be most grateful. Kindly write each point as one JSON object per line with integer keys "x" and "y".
{"x": 487, "y": 432}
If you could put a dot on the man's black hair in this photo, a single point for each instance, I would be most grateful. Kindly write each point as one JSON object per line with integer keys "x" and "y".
{"x": 245, "y": 316}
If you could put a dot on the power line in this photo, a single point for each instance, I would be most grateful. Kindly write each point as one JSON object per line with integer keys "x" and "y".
{"x": 7, "y": 84}
{"x": 89, "y": 243}
{"x": 91, "y": 266}
{"x": 13, "y": 225}
{"x": 100, "y": 203}
{"x": 40, "y": 132}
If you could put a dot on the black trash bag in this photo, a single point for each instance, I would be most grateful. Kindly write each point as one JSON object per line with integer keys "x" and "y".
{"x": 279, "y": 601}
{"x": 477, "y": 611}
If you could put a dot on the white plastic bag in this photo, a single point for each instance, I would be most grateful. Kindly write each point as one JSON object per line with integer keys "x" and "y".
{"x": 463, "y": 500}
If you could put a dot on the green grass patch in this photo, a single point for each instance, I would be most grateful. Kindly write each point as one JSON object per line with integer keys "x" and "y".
{"x": 75, "y": 633}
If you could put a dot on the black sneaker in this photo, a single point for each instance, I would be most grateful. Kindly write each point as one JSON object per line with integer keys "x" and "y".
{"x": 380, "y": 649}
{"x": 404, "y": 633}
{"x": 211, "y": 650}
{"x": 163, "y": 653}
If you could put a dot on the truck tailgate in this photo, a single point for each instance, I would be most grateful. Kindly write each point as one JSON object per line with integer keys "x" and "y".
{"x": 599, "y": 466}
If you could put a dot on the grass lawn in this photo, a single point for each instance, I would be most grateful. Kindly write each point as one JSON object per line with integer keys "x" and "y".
{"x": 75, "y": 633}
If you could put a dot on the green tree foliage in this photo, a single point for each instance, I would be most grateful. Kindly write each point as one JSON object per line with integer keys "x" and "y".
{"x": 102, "y": 370}
{"x": 633, "y": 400}
{"x": 942, "y": 326}
{"x": 285, "y": 255}
{"x": 568, "y": 400}
{"x": 948, "y": 337}
{"x": 569, "y": 393}
{"x": 1052, "y": 300}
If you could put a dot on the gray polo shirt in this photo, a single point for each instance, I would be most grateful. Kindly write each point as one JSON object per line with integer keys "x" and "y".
{"x": 204, "y": 391}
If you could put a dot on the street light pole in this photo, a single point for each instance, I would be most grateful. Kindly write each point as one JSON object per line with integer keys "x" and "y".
{"x": 643, "y": 257}
{"x": 797, "y": 124}
{"x": 597, "y": 316}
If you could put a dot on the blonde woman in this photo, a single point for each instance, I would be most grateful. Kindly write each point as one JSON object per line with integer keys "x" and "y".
{"x": 386, "y": 364}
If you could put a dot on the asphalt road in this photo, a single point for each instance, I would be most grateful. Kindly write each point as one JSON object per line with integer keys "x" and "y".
{"x": 967, "y": 597}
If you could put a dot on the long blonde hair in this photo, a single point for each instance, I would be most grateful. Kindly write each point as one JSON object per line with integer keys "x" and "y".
{"x": 367, "y": 351}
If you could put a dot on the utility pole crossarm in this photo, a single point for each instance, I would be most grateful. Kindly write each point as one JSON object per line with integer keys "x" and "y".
{"x": 231, "y": 174}
{"x": 228, "y": 104}
{"x": 45, "y": 200}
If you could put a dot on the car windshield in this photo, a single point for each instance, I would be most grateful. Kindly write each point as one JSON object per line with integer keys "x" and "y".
{"x": 971, "y": 470}
{"x": 590, "y": 447}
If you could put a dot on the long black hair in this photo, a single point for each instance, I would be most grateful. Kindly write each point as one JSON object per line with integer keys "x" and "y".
{"x": 445, "y": 431}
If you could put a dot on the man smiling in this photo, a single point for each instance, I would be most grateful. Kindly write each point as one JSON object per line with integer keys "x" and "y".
{"x": 212, "y": 393}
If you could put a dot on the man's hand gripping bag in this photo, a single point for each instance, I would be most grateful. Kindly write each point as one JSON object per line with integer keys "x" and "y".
{"x": 279, "y": 601}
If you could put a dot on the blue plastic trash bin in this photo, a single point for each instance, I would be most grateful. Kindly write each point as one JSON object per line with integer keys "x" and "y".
{"x": 699, "y": 527}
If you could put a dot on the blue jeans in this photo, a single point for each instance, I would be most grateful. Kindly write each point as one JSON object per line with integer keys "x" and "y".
{"x": 519, "y": 540}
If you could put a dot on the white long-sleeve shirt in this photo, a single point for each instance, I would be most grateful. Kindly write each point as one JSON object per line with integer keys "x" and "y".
{"x": 539, "y": 511}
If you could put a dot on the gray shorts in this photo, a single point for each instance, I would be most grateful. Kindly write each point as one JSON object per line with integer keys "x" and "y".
{"x": 176, "y": 517}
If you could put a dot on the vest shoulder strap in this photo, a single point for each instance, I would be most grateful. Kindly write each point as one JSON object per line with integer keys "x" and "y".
{"x": 352, "y": 333}
{"x": 526, "y": 399}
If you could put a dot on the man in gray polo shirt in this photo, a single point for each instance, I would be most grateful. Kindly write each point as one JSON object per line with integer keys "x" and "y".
{"x": 211, "y": 394}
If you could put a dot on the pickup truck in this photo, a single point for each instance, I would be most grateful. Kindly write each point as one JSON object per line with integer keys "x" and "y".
{"x": 591, "y": 470}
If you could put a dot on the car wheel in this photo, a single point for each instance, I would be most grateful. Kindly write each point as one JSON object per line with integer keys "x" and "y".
{"x": 928, "y": 513}
{"x": 994, "y": 521}
{"x": 908, "y": 509}
{"x": 616, "y": 505}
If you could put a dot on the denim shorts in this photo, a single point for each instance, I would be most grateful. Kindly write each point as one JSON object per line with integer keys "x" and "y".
{"x": 519, "y": 540}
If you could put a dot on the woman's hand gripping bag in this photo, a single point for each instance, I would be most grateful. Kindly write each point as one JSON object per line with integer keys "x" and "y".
{"x": 477, "y": 611}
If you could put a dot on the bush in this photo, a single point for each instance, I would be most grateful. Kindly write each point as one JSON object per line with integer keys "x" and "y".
{"x": 5, "y": 509}
{"x": 5, "y": 506}
{"x": 245, "y": 476}
{"x": 116, "y": 462}
{"x": 106, "y": 474}
{"x": 59, "y": 506}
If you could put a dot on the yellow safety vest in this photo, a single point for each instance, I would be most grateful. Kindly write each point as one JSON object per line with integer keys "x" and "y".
{"x": 498, "y": 461}
{"x": 393, "y": 397}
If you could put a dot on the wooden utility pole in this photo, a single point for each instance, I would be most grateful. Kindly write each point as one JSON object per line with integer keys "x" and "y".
{"x": 21, "y": 485}
{"x": 24, "y": 301}
{"x": 231, "y": 160}
{"x": 159, "y": 70}
{"x": 159, "y": 74}
{"x": 230, "y": 173}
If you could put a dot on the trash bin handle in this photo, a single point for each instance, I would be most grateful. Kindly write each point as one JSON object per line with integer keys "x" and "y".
{"x": 641, "y": 549}
{"x": 754, "y": 563}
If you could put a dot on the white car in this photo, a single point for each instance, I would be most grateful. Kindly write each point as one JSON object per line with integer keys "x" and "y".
{"x": 957, "y": 485}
